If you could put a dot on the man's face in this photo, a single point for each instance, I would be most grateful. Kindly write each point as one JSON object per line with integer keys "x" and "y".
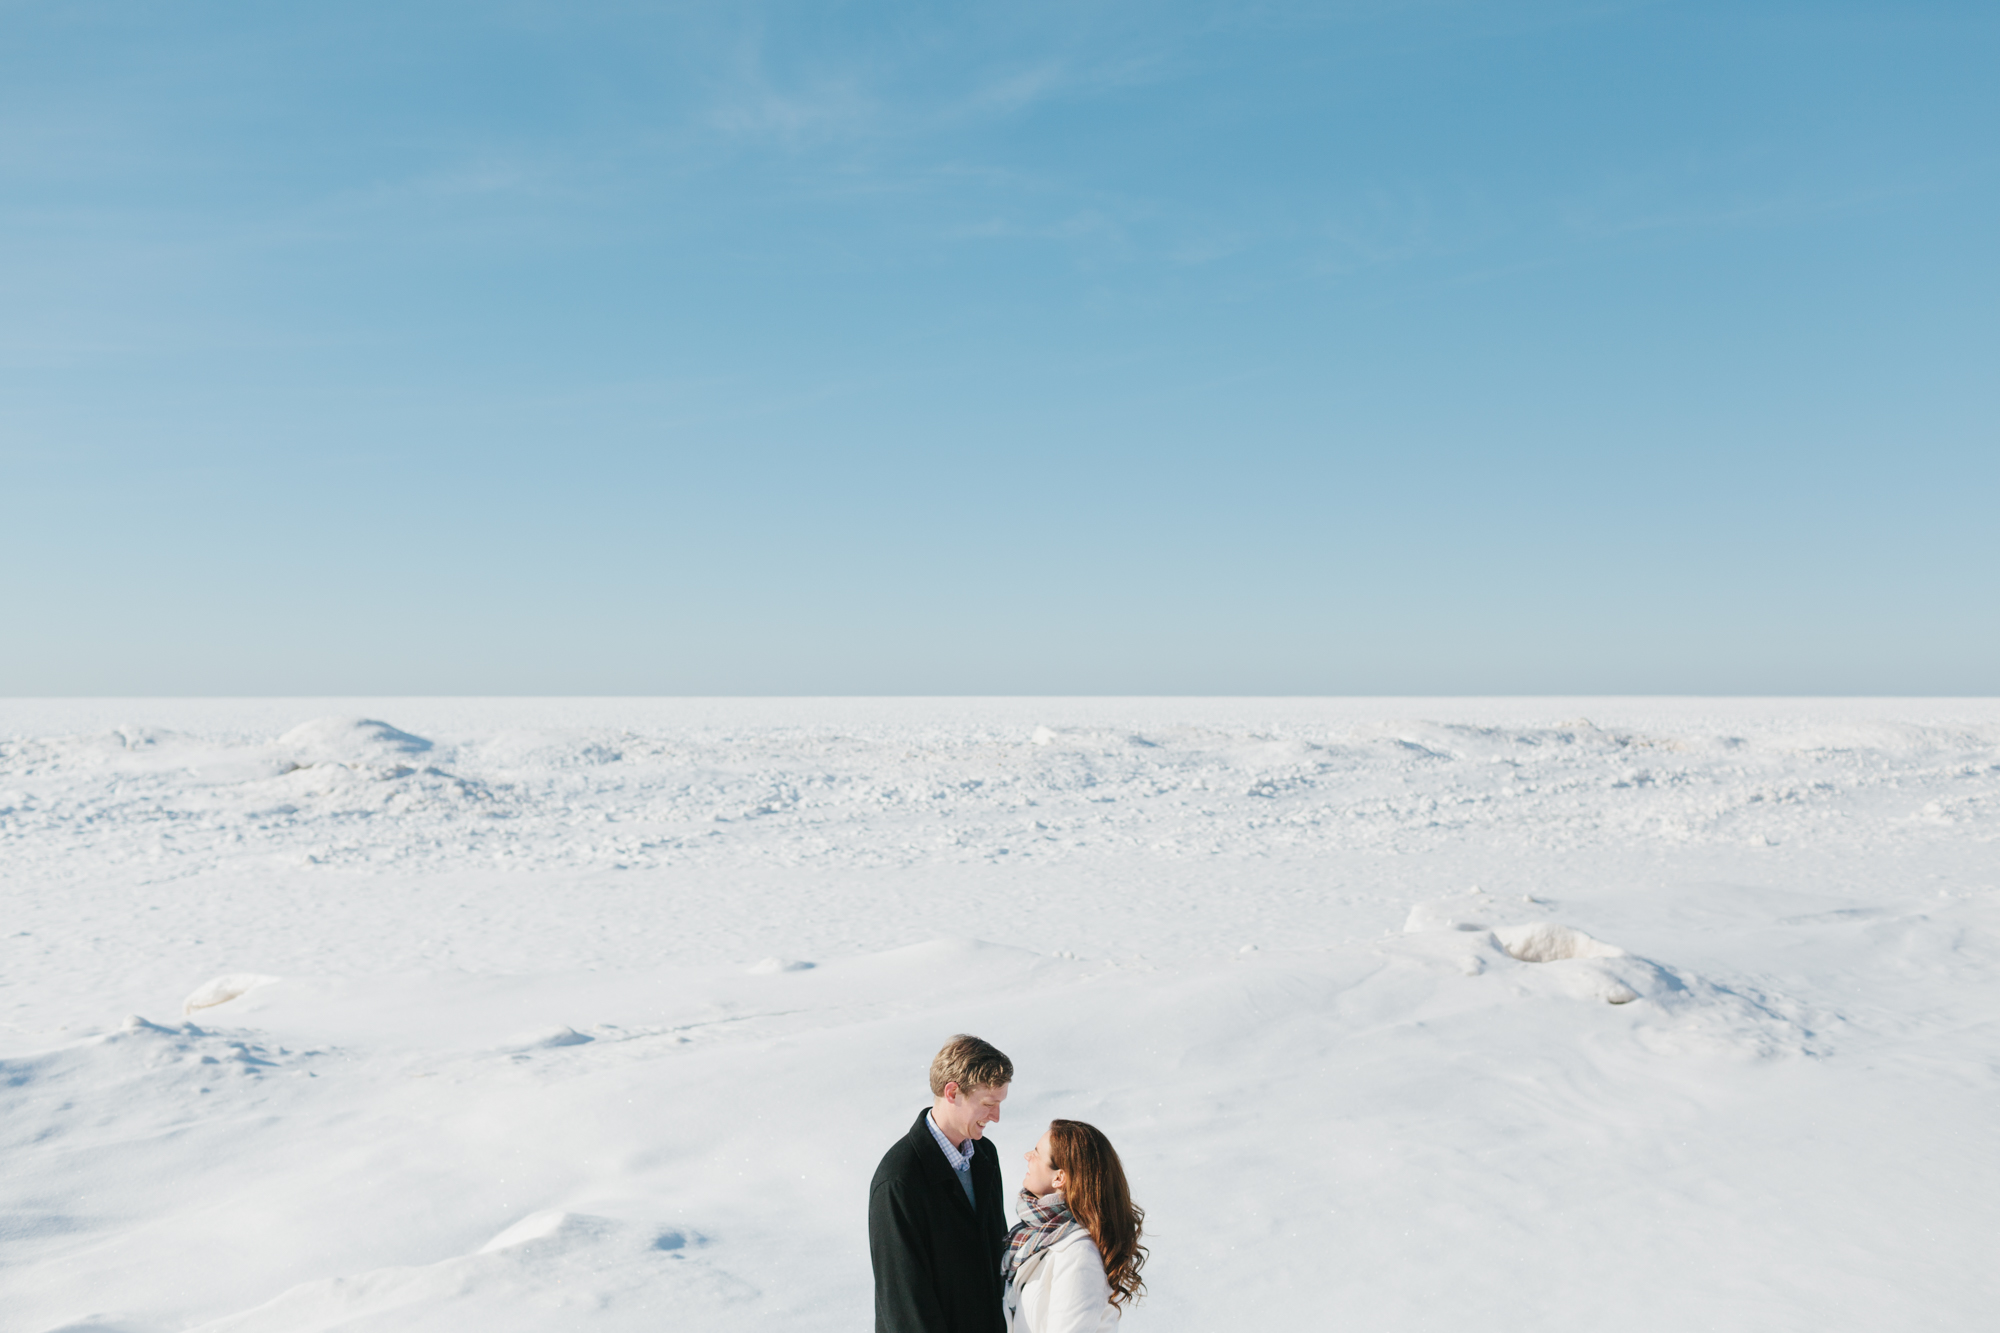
{"x": 969, "y": 1111}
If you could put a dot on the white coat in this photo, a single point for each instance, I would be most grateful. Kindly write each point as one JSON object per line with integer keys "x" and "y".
{"x": 1062, "y": 1290}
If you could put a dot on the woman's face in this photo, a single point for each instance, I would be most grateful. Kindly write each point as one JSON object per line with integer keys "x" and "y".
{"x": 1041, "y": 1178}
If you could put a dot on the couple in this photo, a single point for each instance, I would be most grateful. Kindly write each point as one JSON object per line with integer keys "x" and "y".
{"x": 945, "y": 1261}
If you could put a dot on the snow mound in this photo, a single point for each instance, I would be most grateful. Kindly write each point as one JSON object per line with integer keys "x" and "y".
{"x": 535, "y": 1226}
{"x": 222, "y": 990}
{"x": 768, "y": 966}
{"x": 528, "y": 1278}
{"x": 547, "y": 1039}
{"x": 349, "y": 740}
{"x": 134, "y": 1084}
{"x": 1578, "y": 964}
{"x": 556, "y": 1223}
{"x": 1546, "y": 942}
{"x": 1469, "y": 912}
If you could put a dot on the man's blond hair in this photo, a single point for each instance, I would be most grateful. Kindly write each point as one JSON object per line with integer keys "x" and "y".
{"x": 970, "y": 1063}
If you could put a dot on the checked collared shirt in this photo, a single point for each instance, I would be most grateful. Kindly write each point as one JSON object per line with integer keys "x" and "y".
{"x": 961, "y": 1162}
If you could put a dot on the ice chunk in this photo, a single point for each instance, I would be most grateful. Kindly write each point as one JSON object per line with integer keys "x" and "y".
{"x": 535, "y": 1226}
{"x": 224, "y": 989}
{"x": 1546, "y": 942}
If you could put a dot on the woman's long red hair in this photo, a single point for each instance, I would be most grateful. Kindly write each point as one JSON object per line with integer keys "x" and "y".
{"x": 1094, "y": 1188}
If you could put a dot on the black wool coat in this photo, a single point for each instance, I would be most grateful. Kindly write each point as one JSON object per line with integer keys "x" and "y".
{"x": 937, "y": 1257}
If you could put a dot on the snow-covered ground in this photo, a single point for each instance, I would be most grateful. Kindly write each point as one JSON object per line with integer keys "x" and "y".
{"x": 1406, "y": 1014}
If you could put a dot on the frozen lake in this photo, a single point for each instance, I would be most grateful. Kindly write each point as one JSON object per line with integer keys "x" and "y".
{"x": 483, "y": 1015}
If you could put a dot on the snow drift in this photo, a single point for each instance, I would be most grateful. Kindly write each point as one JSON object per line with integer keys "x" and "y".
{"x": 547, "y": 1052}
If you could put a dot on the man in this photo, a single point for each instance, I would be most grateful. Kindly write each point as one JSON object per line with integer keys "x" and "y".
{"x": 937, "y": 1226}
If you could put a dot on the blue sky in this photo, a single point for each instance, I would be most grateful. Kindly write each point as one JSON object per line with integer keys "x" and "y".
{"x": 1071, "y": 348}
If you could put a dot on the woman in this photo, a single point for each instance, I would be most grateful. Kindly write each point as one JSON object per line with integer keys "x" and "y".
{"x": 1073, "y": 1259}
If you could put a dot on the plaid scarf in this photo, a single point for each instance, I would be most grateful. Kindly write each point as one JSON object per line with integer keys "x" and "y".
{"x": 1043, "y": 1222}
